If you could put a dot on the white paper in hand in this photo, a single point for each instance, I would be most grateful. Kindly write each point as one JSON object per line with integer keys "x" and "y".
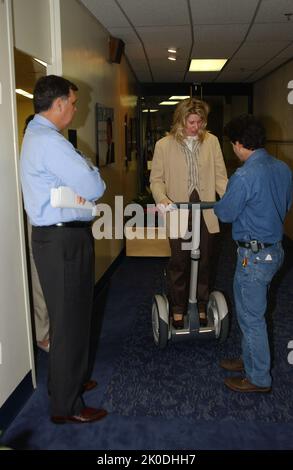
{"x": 163, "y": 209}
{"x": 64, "y": 197}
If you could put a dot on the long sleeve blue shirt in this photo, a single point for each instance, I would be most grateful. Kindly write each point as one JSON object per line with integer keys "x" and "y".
{"x": 48, "y": 160}
{"x": 257, "y": 198}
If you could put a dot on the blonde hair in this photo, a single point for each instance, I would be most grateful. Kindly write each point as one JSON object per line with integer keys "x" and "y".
{"x": 182, "y": 111}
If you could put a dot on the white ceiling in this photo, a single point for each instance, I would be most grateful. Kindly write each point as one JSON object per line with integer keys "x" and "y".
{"x": 255, "y": 35}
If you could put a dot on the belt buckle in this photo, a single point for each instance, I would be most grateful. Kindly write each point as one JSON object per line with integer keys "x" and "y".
{"x": 254, "y": 246}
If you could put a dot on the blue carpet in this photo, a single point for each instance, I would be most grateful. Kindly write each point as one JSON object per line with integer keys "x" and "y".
{"x": 184, "y": 380}
{"x": 173, "y": 399}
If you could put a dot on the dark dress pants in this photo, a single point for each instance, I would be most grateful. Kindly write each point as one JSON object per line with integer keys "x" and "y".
{"x": 178, "y": 270}
{"x": 64, "y": 258}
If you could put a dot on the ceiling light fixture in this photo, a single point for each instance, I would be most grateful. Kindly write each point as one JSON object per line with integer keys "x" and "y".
{"x": 179, "y": 97}
{"x": 150, "y": 110}
{"x": 206, "y": 65}
{"x": 41, "y": 62}
{"x": 171, "y": 57}
{"x": 172, "y": 50}
{"x": 24, "y": 93}
{"x": 168, "y": 103}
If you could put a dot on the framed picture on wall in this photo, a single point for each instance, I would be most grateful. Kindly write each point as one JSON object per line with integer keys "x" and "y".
{"x": 134, "y": 132}
{"x": 105, "y": 153}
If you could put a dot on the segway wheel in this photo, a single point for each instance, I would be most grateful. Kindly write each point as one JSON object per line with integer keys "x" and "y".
{"x": 218, "y": 313}
{"x": 160, "y": 320}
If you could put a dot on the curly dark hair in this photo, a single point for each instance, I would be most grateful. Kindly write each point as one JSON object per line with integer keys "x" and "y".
{"x": 247, "y": 130}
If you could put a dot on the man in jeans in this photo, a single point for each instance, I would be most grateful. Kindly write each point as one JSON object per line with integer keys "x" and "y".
{"x": 257, "y": 199}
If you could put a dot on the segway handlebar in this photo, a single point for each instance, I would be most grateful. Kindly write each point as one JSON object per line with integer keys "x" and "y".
{"x": 201, "y": 204}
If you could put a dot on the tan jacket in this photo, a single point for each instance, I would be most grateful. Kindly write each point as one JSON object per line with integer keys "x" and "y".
{"x": 169, "y": 176}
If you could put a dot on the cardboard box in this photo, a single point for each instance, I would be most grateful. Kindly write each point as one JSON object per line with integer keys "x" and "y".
{"x": 147, "y": 243}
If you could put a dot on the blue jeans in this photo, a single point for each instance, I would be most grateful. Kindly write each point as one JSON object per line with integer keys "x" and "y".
{"x": 251, "y": 282}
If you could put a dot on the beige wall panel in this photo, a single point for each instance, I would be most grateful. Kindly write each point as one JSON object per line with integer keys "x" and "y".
{"x": 85, "y": 53}
{"x": 271, "y": 103}
{"x": 272, "y": 106}
{"x": 32, "y": 28}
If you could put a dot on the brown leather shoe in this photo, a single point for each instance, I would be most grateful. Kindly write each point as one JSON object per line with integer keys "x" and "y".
{"x": 235, "y": 365}
{"x": 203, "y": 319}
{"x": 239, "y": 384}
{"x": 89, "y": 385}
{"x": 87, "y": 415}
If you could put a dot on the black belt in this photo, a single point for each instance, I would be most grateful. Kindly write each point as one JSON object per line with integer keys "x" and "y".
{"x": 73, "y": 224}
{"x": 254, "y": 245}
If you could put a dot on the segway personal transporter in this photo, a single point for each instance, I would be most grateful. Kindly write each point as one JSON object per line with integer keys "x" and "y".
{"x": 217, "y": 310}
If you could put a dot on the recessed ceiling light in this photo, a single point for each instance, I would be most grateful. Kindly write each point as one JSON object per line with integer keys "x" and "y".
{"x": 172, "y": 50}
{"x": 171, "y": 57}
{"x": 41, "y": 62}
{"x": 24, "y": 93}
{"x": 179, "y": 97}
{"x": 168, "y": 103}
{"x": 150, "y": 110}
{"x": 206, "y": 65}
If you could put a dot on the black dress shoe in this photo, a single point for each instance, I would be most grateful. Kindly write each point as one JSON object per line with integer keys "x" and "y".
{"x": 178, "y": 324}
{"x": 87, "y": 415}
{"x": 89, "y": 385}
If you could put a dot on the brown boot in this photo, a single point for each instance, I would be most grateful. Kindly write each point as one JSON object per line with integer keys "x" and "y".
{"x": 203, "y": 318}
{"x": 178, "y": 321}
{"x": 235, "y": 365}
{"x": 239, "y": 384}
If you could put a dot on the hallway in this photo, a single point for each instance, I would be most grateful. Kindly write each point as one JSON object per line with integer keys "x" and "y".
{"x": 173, "y": 398}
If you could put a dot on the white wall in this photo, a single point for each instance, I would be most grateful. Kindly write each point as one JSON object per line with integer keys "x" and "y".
{"x": 15, "y": 331}
{"x": 27, "y": 25}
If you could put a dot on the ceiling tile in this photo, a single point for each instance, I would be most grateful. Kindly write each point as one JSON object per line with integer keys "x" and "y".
{"x": 272, "y": 11}
{"x": 134, "y": 51}
{"x": 107, "y": 12}
{"x": 269, "y": 32}
{"x": 126, "y": 34}
{"x": 165, "y": 35}
{"x": 287, "y": 52}
{"x": 263, "y": 50}
{"x": 203, "y": 49}
{"x": 231, "y": 32}
{"x": 159, "y": 12}
{"x": 223, "y": 11}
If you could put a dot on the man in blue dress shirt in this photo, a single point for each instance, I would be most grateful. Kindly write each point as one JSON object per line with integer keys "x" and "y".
{"x": 62, "y": 245}
{"x": 257, "y": 199}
